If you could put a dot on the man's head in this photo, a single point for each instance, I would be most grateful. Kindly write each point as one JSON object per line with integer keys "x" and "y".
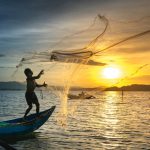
{"x": 28, "y": 72}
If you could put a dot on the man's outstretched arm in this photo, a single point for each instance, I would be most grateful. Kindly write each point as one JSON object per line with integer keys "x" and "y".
{"x": 41, "y": 85}
{"x": 39, "y": 75}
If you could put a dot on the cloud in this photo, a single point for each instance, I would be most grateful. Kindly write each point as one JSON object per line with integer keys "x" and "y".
{"x": 23, "y": 22}
{"x": 140, "y": 79}
{"x": 95, "y": 63}
{"x": 2, "y": 55}
{"x": 5, "y": 67}
{"x": 144, "y": 49}
{"x": 14, "y": 14}
{"x": 26, "y": 24}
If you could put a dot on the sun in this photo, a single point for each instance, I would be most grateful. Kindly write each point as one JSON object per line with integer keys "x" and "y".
{"x": 111, "y": 73}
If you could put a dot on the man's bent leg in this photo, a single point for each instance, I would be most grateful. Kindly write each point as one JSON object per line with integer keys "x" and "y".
{"x": 37, "y": 108}
{"x": 28, "y": 110}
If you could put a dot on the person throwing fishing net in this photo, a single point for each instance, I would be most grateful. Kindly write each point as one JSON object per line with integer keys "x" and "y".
{"x": 30, "y": 95}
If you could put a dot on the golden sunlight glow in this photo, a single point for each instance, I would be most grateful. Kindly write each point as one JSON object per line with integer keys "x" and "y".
{"x": 111, "y": 73}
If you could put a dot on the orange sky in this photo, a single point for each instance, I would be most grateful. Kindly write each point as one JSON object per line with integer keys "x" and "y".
{"x": 126, "y": 18}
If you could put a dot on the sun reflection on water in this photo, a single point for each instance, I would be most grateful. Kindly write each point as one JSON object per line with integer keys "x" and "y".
{"x": 110, "y": 118}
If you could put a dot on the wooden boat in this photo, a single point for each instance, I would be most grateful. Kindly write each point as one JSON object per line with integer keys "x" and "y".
{"x": 20, "y": 126}
{"x": 82, "y": 95}
{"x": 70, "y": 96}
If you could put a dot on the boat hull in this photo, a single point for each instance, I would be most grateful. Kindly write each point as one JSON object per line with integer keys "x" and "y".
{"x": 20, "y": 127}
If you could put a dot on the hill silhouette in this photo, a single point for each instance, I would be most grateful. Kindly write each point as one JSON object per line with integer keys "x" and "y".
{"x": 133, "y": 87}
{"x": 13, "y": 85}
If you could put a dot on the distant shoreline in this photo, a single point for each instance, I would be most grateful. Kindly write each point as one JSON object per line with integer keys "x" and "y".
{"x": 84, "y": 90}
{"x": 18, "y": 86}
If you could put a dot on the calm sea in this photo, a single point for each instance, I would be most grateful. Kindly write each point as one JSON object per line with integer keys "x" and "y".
{"x": 106, "y": 122}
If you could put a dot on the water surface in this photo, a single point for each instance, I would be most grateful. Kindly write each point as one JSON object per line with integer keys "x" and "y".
{"x": 107, "y": 122}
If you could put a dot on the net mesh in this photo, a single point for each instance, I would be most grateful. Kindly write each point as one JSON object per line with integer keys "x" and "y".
{"x": 86, "y": 47}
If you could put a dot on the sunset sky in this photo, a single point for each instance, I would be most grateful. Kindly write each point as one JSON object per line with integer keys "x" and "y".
{"x": 36, "y": 25}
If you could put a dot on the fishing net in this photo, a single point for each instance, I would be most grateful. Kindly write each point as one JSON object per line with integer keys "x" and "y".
{"x": 68, "y": 60}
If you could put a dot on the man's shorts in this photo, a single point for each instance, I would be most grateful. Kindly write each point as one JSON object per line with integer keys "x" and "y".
{"x": 31, "y": 98}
